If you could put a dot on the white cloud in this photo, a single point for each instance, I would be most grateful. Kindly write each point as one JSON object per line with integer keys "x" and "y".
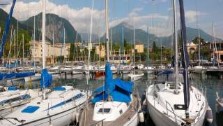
{"x": 156, "y": 23}
{"x": 135, "y": 12}
{"x": 80, "y": 18}
{"x": 192, "y": 16}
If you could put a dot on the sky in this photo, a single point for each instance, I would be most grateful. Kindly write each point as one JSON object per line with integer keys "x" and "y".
{"x": 156, "y": 15}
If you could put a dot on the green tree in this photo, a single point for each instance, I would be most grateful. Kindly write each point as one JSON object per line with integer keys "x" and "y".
{"x": 155, "y": 48}
{"x": 71, "y": 56}
{"x": 196, "y": 40}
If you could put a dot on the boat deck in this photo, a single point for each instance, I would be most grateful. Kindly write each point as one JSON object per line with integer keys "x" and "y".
{"x": 87, "y": 115}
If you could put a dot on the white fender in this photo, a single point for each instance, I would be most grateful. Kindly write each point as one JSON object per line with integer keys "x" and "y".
{"x": 209, "y": 115}
{"x": 141, "y": 117}
{"x": 77, "y": 117}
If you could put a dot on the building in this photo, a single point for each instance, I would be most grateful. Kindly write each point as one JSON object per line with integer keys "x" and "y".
{"x": 191, "y": 47}
{"x": 217, "y": 51}
{"x": 100, "y": 50}
{"x": 51, "y": 51}
{"x": 139, "y": 47}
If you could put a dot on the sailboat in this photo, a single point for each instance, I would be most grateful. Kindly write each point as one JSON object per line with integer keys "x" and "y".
{"x": 59, "y": 107}
{"x": 113, "y": 103}
{"x": 173, "y": 103}
{"x": 199, "y": 68}
{"x": 37, "y": 76}
{"x": 148, "y": 67}
{"x": 135, "y": 75}
{"x": 12, "y": 97}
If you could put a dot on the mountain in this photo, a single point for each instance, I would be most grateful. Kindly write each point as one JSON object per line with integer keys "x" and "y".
{"x": 56, "y": 25}
{"x": 4, "y": 16}
{"x": 192, "y": 33}
{"x": 85, "y": 37}
{"x": 53, "y": 23}
{"x": 141, "y": 35}
{"x": 128, "y": 31}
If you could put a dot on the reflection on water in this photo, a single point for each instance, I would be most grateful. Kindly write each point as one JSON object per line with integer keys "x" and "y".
{"x": 209, "y": 85}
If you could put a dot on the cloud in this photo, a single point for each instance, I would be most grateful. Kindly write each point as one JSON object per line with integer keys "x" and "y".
{"x": 135, "y": 12}
{"x": 80, "y": 18}
{"x": 156, "y": 22}
{"x": 192, "y": 16}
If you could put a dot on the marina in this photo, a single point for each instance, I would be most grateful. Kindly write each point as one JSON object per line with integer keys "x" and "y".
{"x": 130, "y": 71}
{"x": 209, "y": 85}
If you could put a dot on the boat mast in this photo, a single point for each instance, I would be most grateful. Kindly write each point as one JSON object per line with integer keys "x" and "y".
{"x": 134, "y": 38}
{"x": 107, "y": 31}
{"x": 43, "y": 32}
{"x": 89, "y": 45}
{"x": 185, "y": 59}
{"x": 23, "y": 49}
{"x": 175, "y": 45}
{"x": 215, "y": 46}
{"x": 147, "y": 46}
{"x": 34, "y": 39}
{"x": 199, "y": 38}
{"x": 43, "y": 42}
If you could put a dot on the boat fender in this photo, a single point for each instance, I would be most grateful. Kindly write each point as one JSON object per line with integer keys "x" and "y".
{"x": 74, "y": 116}
{"x": 77, "y": 117}
{"x": 144, "y": 102}
{"x": 141, "y": 116}
{"x": 209, "y": 115}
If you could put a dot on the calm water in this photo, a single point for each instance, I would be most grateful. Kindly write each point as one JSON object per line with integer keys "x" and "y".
{"x": 209, "y": 85}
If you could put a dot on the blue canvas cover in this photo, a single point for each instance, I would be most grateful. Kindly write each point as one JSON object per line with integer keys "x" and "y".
{"x": 15, "y": 75}
{"x": 165, "y": 72}
{"x": 24, "y": 74}
{"x": 46, "y": 79}
{"x": 117, "y": 89}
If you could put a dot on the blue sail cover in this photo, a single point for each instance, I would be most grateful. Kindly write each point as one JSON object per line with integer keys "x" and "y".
{"x": 46, "y": 79}
{"x": 117, "y": 89}
{"x": 168, "y": 71}
{"x": 15, "y": 75}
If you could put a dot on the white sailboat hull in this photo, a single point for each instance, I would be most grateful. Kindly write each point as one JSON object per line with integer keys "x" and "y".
{"x": 133, "y": 121}
{"x": 135, "y": 77}
{"x": 33, "y": 78}
{"x": 59, "y": 109}
{"x": 199, "y": 69}
{"x": 161, "y": 119}
{"x": 77, "y": 72}
{"x": 163, "y": 113}
{"x": 60, "y": 119}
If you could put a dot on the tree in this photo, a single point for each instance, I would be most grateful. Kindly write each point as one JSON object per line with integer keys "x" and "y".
{"x": 155, "y": 48}
{"x": 71, "y": 56}
{"x": 196, "y": 40}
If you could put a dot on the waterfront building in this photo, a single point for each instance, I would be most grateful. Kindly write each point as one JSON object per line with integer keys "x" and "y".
{"x": 52, "y": 51}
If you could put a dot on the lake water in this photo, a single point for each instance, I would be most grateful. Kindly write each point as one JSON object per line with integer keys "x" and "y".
{"x": 210, "y": 85}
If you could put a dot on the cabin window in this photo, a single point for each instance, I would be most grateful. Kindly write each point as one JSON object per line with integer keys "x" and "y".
{"x": 104, "y": 110}
{"x": 75, "y": 98}
{"x": 78, "y": 96}
{"x": 26, "y": 96}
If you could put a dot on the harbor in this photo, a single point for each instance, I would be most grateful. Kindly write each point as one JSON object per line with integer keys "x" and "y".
{"x": 71, "y": 66}
{"x": 209, "y": 85}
